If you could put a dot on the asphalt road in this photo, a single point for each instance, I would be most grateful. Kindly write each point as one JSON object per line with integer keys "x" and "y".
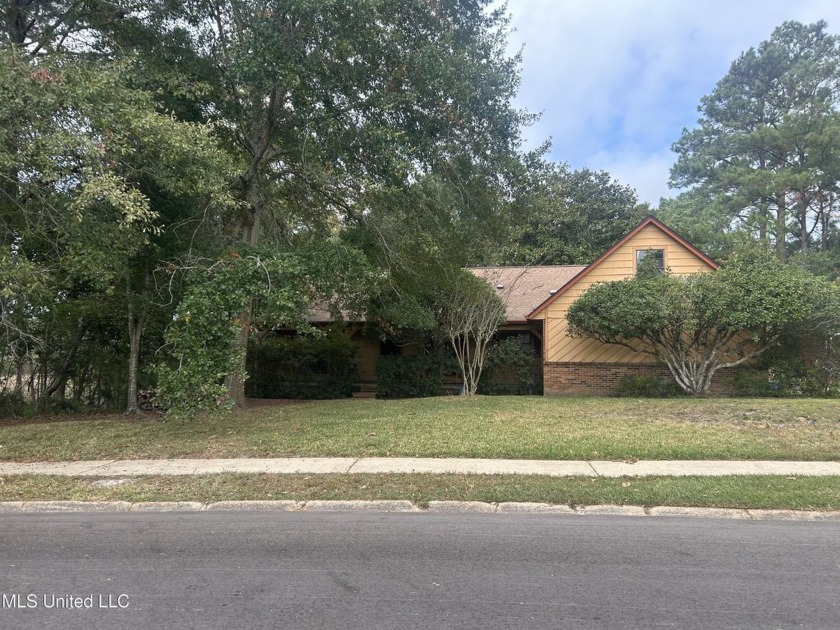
{"x": 361, "y": 570}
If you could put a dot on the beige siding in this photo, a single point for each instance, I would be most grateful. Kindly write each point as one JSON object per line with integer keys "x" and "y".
{"x": 619, "y": 265}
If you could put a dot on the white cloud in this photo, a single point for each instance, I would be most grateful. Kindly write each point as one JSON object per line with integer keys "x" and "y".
{"x": 646, "y": 172}
{"x": 617, "y": 80}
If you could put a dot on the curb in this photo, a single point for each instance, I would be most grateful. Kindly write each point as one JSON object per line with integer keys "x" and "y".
{"x": 434, "y": 507}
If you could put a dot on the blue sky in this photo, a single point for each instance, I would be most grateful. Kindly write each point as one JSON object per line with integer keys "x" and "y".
{"x": 617, "y": 80}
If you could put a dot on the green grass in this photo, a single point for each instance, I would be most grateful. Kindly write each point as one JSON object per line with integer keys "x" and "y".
{"x": 756, "y": 492}
{"x": 494, "y": 427}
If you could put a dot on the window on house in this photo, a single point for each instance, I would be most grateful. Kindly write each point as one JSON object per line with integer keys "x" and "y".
{"x": 650, "y": 259}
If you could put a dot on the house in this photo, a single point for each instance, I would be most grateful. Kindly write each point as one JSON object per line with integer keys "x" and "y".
{"x": 585, "y": 366}
{"x": 537, "y": 299}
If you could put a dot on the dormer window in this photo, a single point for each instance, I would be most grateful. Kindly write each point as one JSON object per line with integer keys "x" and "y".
{"x": 653, "y": 257}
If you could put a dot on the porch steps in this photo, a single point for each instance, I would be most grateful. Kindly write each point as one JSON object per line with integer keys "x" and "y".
{"x": 365, "y": 391}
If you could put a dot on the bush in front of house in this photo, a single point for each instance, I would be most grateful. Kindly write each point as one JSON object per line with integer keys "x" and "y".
{"x": 511, "y": 369}
{"x": 416, "y": 376}
{"x": 784, "y": 373}
{"x": 646, "y": 386}
{"x": 302, "y": 366}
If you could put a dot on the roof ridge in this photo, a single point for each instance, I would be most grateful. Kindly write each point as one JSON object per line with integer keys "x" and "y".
{"x": 520, "y": 266}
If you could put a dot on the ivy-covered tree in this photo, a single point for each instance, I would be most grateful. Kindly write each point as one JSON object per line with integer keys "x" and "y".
{"x": 699, "y": 324}
{"x": 275, "y": 288}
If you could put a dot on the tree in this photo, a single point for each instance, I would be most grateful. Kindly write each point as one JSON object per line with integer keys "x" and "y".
{"x": 81, "y": 152}
{"x": 276, "y": 288}
{"x": 321, "y": 107}
{"x": 766, "y": 147}
{"x": 472, "y": 315}
{"x": 699, "y": 324}
{"x": 700, "y": 218}
{"x": 566, "y": 217}
{"x": 324, "y": 102}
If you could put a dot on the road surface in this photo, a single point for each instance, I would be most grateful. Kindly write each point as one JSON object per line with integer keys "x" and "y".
{"x": 362, "y": 570}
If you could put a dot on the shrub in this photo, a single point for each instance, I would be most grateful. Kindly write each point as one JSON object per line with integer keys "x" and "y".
{"x": 415, "y": 376}
{"x": 510, "y": 369}
{"x": 784, "y": 373}
{"x": 646, "y": 386}
{"x": 12, "y": 405}
{"x": 302, "y": 366}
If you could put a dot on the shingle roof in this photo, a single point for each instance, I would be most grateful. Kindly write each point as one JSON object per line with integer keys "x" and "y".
{"x": 524, "y": 288}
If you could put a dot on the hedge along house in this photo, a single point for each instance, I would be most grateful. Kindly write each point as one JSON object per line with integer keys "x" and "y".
{"x": 585, "y": 366}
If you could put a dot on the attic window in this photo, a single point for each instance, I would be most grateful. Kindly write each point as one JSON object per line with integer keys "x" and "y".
{"x": 658, "y": 256}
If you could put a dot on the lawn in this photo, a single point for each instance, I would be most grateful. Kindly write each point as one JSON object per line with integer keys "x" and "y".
{"x": 493, "y": 427}
{"x": 770, "y": 492}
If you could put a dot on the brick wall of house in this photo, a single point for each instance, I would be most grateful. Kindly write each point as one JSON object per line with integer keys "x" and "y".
{"x": 602, "y": 378}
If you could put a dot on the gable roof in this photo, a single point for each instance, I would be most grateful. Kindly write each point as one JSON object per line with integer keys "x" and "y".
{"x": 524, "y": 288}
{"x": 586, "y": 270}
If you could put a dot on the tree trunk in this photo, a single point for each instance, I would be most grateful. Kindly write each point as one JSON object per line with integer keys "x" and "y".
{"x": 59, "y": 379}
{"x": 260, "y": 144}
{"x": 135, "y": 331}
{"x": 235, "y": 381}
{"x": 136, "y": 320}
{"x": 802, "y": 216}
{"x": 781, "y": 226}
{"x": 763, "y": 220}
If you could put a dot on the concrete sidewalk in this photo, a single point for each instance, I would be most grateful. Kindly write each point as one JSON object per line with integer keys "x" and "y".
{"x": 352, "y": 465}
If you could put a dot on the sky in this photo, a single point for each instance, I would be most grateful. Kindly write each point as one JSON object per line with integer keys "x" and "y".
{"x": 616, "y": 81}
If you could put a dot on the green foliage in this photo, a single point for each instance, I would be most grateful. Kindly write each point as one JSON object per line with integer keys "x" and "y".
{"x": 825, "y": 263}
{"x": 258, "y": 288}
{"x": 208, "y": 321}
{"x": 12, "y": 405}
{"x": 646, "y": 386}
{"x": 85, "y": 158}
{"x": 511, "y": 369}
{"x": 787, "y": 372}
{"x": 416, "y": 376}
{"x": 766, "y": 149}
{"x": 565, "y": 217}
{"x": 421, "y": 238}
{"x": 699, "y": 324}
{"x": 131, "y": 159}
{"x": 303, "y": 366}
{"x": 697, "y": 216}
